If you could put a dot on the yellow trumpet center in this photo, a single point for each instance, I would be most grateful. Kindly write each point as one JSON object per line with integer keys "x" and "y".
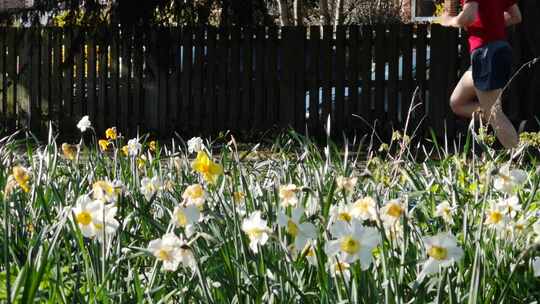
{"x": 438, "y": 253}
{"x": 292, "y": 228}
{"x": 84, "y": 218}
{"x": 349, "y": 245}
{"x": 394, "y": 210}
{"x": 495, "y": 217}
{"x": 163, "y": 255}
{"x": 181, "y": 218}
{"x": 344, "y": 216}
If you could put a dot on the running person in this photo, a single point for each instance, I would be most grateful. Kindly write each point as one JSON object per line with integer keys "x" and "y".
{"x": 491, "y": 59}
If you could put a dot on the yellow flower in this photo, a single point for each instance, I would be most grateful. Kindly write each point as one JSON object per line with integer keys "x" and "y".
{"x": 111, "y": 133}
{"x": 206, "y": 167}
{"x": 70, "y": 151}
{"x": 152, "y": 146}
{"x": 141, "y": 162}
{"x": 104, "y": 144}
{"x": 22, "y": 177}
{"x": 125, "y": 150}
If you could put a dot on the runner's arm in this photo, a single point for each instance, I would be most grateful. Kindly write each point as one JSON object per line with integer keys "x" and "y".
{"x": 512, "y": 15}
{"x": 464, "y": 19}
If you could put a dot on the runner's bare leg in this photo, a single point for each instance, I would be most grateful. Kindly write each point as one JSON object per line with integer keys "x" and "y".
{"x": 494, "y": 115}
{"x": 463, "y": 101}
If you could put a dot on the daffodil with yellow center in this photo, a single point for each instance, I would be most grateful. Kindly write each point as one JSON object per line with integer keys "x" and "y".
{"x": 94, "y": 218}
{"x": 496, "y": 217}
{"x": 349, "y": 245}
{"x": 239, "y": 197}
{"x": 194, "y": 195}
{"x": 106, "y": 191}
{"x": 391, "y": 212}
{"x": 22, "y": 177}
{"x": 186, "y": 217}
{"x": 438, "y": 253}
{"x": 256, "y": 230}
{"x": 364, "y": 209}
{"x": 104, "y": 145}
{"x": 70, "y": 151}
{"x": 352, "y": 242}
{"x": 206, "y": 167}
{"x": 287, "y": 195}
{"x": 344, "y": 216}
{"x": 111, "y": 133}
{"x": 442, "y": 251}
{"x": 301, "y": 232}
{"x": 446, "y": 211}
{"x": 341, "y": 212}
{"x": 172, "y": 251}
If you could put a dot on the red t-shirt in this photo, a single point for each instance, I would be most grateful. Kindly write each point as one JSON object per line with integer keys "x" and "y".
{"x": 489, "y": 23}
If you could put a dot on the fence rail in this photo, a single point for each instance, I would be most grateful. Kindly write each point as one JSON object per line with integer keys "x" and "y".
{"x": 204, "y": 80}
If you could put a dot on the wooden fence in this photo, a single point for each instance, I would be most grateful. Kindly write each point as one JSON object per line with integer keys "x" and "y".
{"x": 205, "y": 80}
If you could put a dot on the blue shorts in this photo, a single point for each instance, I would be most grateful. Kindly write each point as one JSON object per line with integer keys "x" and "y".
{"x": 492, "y": 65}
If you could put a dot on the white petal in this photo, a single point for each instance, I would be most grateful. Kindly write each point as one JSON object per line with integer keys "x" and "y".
{"x": 371, "y": 237}
{"x": 340, "y": 228}
{"x": 308, "y": 230}
{"x": 365, "y": 258}
{"x": 430, "y": 266}
{"x": 297, "y": 214}
{"x": 282, "y": 219}
{"x": 88, "y": 230}
{"x": 536, "y": 266}
{"x": 331, "y": 248}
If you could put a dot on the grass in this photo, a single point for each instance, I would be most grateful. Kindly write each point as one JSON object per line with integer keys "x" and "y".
{"x": 46, "y": 258}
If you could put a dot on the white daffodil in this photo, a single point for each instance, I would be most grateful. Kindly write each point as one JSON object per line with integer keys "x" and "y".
{"x": 392, "y": 211}
{"x": 510, "y": 206}
{"x": 134, "y": 147}
{"x": 195, "y": 145}
{"x": 507, "y": 180}
{"x": 346, "y": 184}
{"x": 446, "y": 212}
{"x": 339, "y": 269}
{"x": 364, "y": 209}
{"x": 104, "y": 221}
{"x": 341, "y": 212}
{"x": 442, "y": 251}
{"x": 150, "y": 186}
{"x": 257, "y": 231}
{"x": 186, "y": 217}
{"x": 194, "y": 195}
{"x": 518, "y": 227}
{"x": 287, "y": 195}
{"x": 300, "y": 232}
{"x": 353, "y": 242}
{"x": 496, "y": 217}
{"x": 84, "y": 123}
{"x": 106, "y": 191}
{"x": 536, "y": 266}
{"x": 86, "y": 213}
{"x": 172, "y": 251}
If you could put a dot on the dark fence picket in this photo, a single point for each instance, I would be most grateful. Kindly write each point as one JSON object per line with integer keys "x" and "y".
{"x": 209, "y": 115}
{"x": 35, "y": 83}
{"x": 55, "y": 103}
{"x": 125, "y": 80}
{"x": 392, "y": 97}
{"x": 299, "y": 79}
{"x": 137, "y": 81}
{"x": 12, "y": 77}
{"x": 221, "y": 87}
{"x": 259, "y": 98}
{"x": 365, "y": 112}
{"x": 313, "y": 76}
{"x": 198, "y": 76}
{"x": 272, "y": 79}
{"x": 187, "y": 58}
{"x": 340, "y": 72}
{"x": 380, "y": 65}
{"x": 326, "y": 75}
{"x": 164, "y": 62}
{"x": 406, "y": 88}
{"x": 67, "y": 83}
{"x": 103, "y": 113}
{"x": 173, "y": 83}
{"x": 234, "y": 84}
{"x": 352, "y": 104}
{"x": 45, "y": 75}
{"x": 91, "y": 75}
{"x": 79, "y": 98}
